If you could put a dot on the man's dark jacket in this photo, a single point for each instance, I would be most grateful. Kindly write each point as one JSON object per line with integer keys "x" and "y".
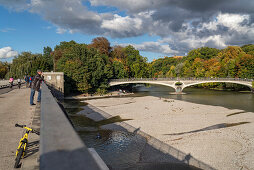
{"x": 36, "y": 84}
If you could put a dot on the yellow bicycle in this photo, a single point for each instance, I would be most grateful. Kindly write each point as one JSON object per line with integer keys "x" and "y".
{"x": 23, "y": 144}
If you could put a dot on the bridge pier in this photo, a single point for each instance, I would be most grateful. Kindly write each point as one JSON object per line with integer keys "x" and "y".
{"x": 178, "y": 89}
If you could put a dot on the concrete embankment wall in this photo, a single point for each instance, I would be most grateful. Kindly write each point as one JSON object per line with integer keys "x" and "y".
{"x": 60, "y": 146}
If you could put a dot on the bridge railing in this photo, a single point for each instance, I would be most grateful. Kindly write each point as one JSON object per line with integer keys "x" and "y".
{"x": 182, "y": 79}
{"x": 60, "y": 146}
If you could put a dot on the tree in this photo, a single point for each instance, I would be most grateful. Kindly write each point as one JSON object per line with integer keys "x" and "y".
{"x": 248, "y": 49}
{"x": 198, "y": 67}
{"x": 4, "y": 67}
{"x": 246, "y": 65}
{"x": 118, "y": 53}
{"x": 88, "y": 68}
{"x": 118, "y": 70}
{"x": 48, "y": 55}
{"x": 102, "y": 44}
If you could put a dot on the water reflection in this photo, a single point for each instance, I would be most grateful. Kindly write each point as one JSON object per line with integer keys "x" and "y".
{"x": 117, "y": 148}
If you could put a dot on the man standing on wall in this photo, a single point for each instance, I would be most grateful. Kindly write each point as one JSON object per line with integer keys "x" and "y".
{"x": 36, "y": 85}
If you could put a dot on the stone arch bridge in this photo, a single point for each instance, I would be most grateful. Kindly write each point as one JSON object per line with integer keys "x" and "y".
{"x": 180, "y": 83}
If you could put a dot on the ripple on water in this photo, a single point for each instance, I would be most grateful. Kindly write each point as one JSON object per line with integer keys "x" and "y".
{"x": 115, "y": 147}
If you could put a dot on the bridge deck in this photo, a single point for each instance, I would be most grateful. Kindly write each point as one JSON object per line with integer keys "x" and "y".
{"x": 185, "y": 82}
{"x": 14, "y": 108}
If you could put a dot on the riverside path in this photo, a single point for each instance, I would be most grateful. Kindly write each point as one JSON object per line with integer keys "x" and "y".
{"x": 14, "y": 108}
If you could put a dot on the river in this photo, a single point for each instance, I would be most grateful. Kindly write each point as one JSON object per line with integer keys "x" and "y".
{"x": 229, "y": 99}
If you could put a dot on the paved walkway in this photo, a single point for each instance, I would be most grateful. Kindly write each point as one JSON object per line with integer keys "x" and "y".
{"x": 14, "y": 108}
{"x": 6, "y": 90}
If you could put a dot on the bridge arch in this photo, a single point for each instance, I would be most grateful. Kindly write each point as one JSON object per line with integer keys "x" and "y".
{"x": 218, "y": 81}
{"x": 142, "y": 82}
{"x": 184, "y": 82}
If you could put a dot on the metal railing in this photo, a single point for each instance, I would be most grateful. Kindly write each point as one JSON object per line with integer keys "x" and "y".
{"x": 183, "y": 79}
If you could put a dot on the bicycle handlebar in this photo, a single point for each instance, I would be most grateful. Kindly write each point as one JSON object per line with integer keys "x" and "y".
{"x": 17, "y": 125}
{"x": 32, "y": 130}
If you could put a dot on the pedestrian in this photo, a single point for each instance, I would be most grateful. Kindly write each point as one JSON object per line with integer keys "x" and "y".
{"x": 27, "y": 81}
{"x": 19, "y": 83}
{"x": 11, "y": 82}
{"x": 35, "y": 86}
{"x": 30, "y": 81}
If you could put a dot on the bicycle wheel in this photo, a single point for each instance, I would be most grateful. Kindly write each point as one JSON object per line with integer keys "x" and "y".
{"x": 17, "y": 160}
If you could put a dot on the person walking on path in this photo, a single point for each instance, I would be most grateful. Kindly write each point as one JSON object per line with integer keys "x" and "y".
{"x": 19, "y": 83}
{"x": 27, "y": 81}
{"x": 11, "y": 82}
{"x": 30, "y": 81}
{"x": 36, "y": 85}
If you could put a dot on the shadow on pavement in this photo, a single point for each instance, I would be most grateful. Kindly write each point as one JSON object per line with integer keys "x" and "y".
{"x": 32, "y": 148}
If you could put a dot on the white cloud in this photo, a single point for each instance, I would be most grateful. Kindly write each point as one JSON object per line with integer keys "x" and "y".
{"x": 156, "y": 47}
{"x": 233, "y": 29}
{"x": 60, "y": 30}
{"x": 15, "y": 4}
{"x": 7, "y": 52}
{"x": 48, "y": 27}
{"x": 123, "y": 25}
{"x": 231, "y": 21}
{"x": 7, "y": 29}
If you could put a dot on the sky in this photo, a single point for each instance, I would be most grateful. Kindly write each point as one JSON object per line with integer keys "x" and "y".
{"x": 156, "y": 28}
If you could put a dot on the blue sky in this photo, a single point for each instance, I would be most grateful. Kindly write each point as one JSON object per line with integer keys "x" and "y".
{"x": 156, "y": 28}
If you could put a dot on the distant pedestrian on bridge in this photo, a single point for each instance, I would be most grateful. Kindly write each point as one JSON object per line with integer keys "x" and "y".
{"x": 30, "y": 81}
{"x": 11, "y": 82}
{"x": 36, "y": 86}
{"x": 19, "y": 83}
{"x": 27, "y": 80}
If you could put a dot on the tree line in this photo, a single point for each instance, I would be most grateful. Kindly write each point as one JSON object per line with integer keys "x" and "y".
{"x": 89, "y": 67}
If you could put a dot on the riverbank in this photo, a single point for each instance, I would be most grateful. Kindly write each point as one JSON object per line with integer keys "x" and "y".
{"x": 218, "y": 136}
{"x": 96, "y": 96}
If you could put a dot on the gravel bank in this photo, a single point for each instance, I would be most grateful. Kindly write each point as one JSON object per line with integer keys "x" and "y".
{"x": 218, "y": 136}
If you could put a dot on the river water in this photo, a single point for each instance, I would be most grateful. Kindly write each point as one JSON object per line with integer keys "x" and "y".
{"x": 229, "y": 99}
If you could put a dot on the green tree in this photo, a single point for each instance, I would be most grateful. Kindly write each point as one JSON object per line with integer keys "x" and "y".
{"x": 118, "y": 70}
{"x": 4, "y": 67}
{"x": 248, "y": 49}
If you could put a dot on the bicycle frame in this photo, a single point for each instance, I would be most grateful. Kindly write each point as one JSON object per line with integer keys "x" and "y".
{"x": 23, "y": 141}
